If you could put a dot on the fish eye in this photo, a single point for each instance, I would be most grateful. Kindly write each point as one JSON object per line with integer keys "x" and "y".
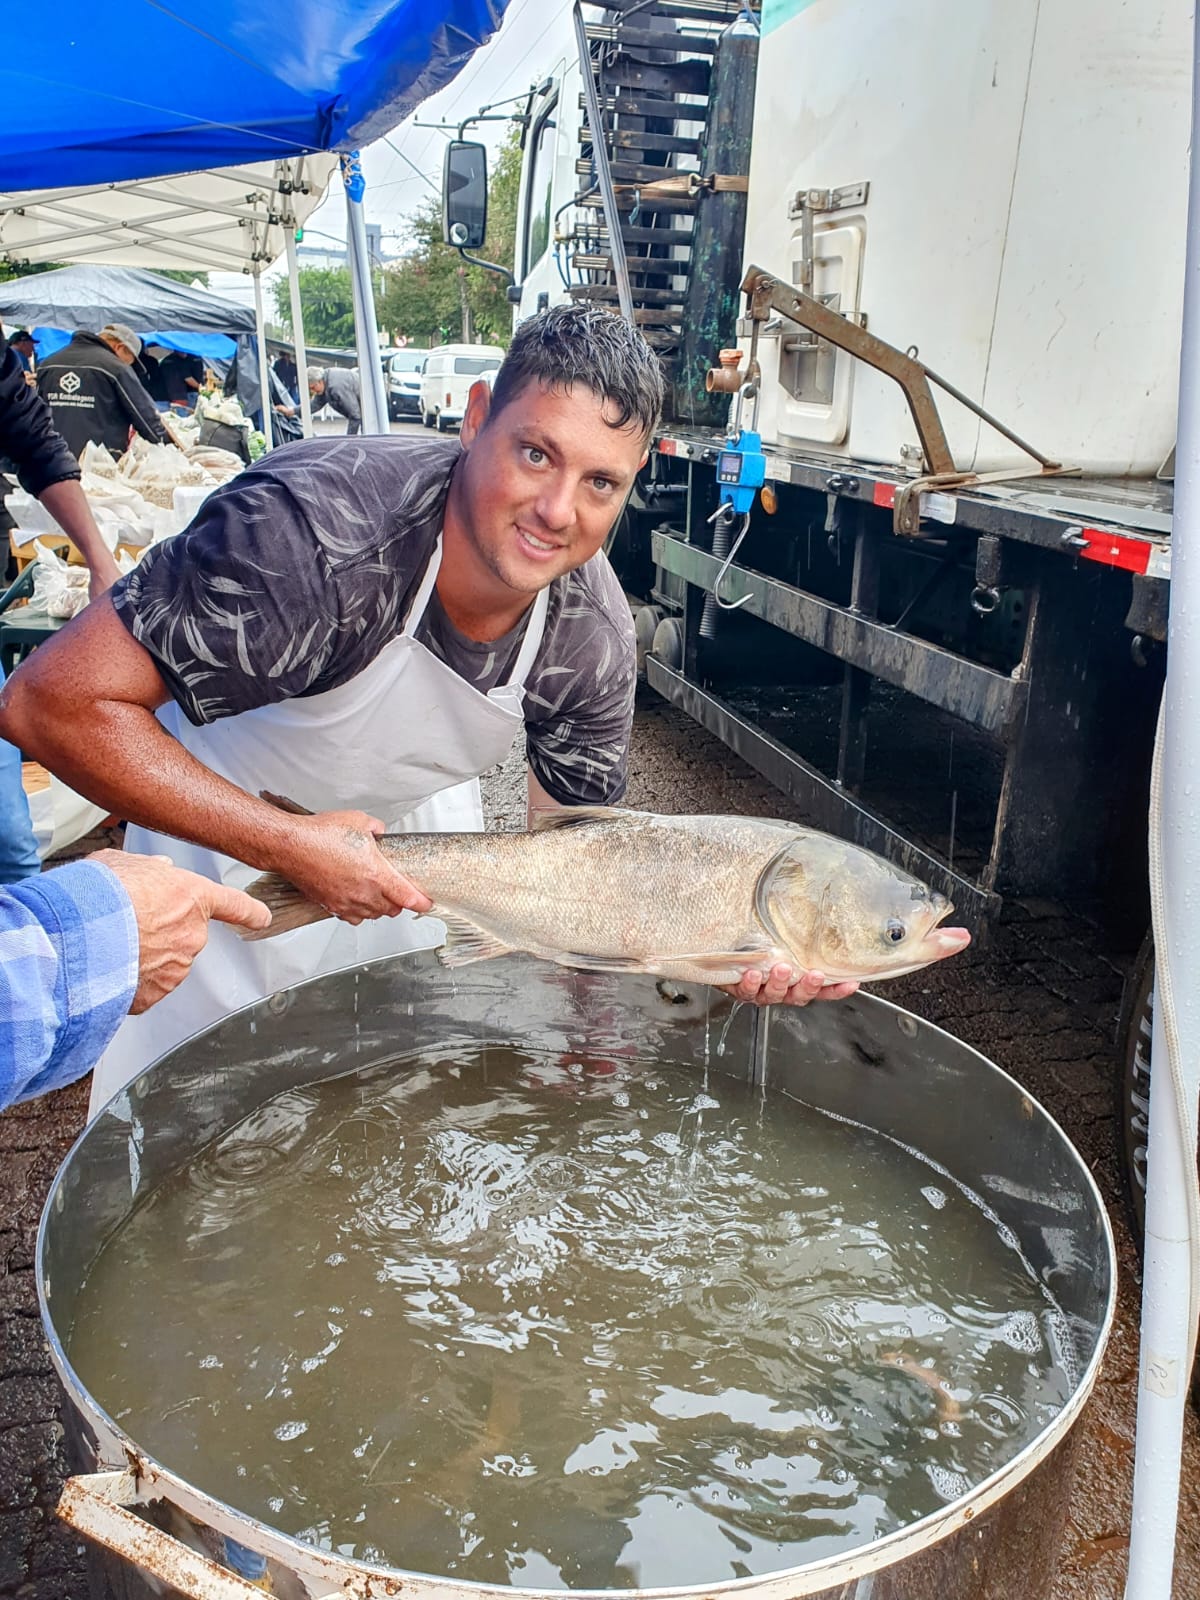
{"x": 895, "y": 930}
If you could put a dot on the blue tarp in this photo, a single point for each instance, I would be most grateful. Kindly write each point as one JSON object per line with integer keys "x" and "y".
{"x": 89, "y": 296}
{"x": 128, "y": 89}
{"x": 208, "y": 346}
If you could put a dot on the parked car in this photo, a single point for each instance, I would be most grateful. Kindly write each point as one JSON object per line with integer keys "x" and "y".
{"x": 449, "y": 372}
{"x": 402, "y": 377}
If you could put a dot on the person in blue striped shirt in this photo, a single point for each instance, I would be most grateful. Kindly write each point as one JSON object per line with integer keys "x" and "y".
{"x": 83, "y": 945}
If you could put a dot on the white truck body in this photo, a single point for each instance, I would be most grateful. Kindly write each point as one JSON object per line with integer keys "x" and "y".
{"x": 1027, "y": 165}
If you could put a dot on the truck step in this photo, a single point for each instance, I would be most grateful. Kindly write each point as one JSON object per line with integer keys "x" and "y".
{"x": 634, "y": 139}
{"x": 661, "y": 77}
{"x": 656, "y": 108}
{"x": 626, "y": 37}
{"x": 607, "y": 292}
{"x": 725, "y": 11}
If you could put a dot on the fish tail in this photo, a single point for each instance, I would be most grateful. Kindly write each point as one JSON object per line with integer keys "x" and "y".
{"x": 289, "y": 907}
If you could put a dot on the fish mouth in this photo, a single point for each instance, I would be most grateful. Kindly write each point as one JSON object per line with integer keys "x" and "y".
{"x": 942, "y": 942}
{"x": 939, "y": 941}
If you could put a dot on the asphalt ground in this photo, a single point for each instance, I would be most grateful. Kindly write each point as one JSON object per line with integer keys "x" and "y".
{"x": 1039, "y": 998}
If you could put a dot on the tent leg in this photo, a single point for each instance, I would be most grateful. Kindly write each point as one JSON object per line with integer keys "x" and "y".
{"x": 301, "y": 349}
{"x": 264, "y": 377}
{"x": 1168, "y": 1331}
{"x": 366, "y": 330}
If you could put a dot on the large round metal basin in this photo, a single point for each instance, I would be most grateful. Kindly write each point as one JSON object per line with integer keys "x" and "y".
{"x": 863, "y": 1059}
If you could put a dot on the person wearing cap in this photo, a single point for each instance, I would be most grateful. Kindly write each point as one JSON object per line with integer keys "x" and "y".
{"x": 21, "y": 345}
{"x": 94, "y": 393}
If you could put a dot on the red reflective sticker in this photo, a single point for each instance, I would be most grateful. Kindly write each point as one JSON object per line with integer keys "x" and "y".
{"x": 885, "y": 495}
{"x": 667, "y": 447}
{"x": 1115, "y": 550}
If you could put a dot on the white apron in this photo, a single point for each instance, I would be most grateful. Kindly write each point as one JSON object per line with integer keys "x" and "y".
{"x": 404, "y": 740}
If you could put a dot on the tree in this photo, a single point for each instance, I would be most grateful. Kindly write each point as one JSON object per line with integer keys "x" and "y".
{"x": 425, "y": 294}
{"x": 326, "y": 303}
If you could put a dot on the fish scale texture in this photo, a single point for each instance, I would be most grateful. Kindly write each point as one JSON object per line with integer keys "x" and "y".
{"x": 583, "y": 888}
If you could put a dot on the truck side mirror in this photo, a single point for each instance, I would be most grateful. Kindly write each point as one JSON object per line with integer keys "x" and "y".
{"x": 464, "y": 195}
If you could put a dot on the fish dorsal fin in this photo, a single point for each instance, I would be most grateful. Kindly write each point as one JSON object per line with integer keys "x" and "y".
{"x": 577, "y": 817}
{"x": 282, "y": 803}
{"x": 466, "y": 941}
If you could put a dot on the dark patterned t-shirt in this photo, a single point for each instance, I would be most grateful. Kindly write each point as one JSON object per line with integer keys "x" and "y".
{"x": 292, "y": 578}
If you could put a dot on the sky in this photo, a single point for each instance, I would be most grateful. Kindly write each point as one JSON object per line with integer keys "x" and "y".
{"x": 406, "y": 167}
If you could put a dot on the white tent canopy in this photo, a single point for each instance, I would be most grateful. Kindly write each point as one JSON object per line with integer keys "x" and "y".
{"x": 233, "y": 219}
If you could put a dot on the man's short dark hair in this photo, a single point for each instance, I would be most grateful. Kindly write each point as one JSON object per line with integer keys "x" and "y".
{"x": 583, "y": 344}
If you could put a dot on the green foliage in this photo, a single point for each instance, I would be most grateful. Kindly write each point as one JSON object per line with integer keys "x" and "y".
{"x": 327, "y": 304}
{"x": 25, "y": 269}
{"x": 424, "y": 294}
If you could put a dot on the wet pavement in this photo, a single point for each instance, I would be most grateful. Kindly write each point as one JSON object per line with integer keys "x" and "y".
{"x": 1039, "y": 998}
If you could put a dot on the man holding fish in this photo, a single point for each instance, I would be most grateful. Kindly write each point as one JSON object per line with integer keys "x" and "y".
{"x": 369, "y": 624}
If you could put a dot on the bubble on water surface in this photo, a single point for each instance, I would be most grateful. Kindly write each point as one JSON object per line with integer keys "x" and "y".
{"x": 948, "y": 1485}
{"x": 935, "y": 1196}
{"x": 290, "y": 1430}
{"x": 1021, "y": 1332}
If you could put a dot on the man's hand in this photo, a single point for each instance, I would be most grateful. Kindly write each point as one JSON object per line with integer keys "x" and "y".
{"x": 334, "y": 858}
{"x": 173, "y": 909}
{"x": 784, "y": 986}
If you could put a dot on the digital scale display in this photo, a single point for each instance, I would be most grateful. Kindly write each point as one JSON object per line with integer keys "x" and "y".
{"x": 729, "y": 466}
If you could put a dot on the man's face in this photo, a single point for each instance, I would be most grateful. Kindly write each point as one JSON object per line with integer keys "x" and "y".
{"x": 541, "y": 485}
{"x": 122, "y": 351}
{"x": 25, "y": 346}
{"x": 316, "y": 388}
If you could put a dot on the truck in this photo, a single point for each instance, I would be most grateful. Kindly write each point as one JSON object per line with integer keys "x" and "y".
{"x": 916, "y": 276}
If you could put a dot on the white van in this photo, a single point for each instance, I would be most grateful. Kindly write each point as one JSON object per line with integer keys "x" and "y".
{"x": 449, "y": 372}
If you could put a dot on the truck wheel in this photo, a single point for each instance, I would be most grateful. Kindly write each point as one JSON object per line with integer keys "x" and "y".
{"x": 439, "y": 422}
{"x": 645, "y": 621}
{"x": 426, "y": 419}
{"x": 667, "y": 645}
{"x": 1133, "y": 1083}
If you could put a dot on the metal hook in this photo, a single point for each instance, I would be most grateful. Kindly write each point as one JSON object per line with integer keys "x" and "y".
{"x": 731, "y": 605}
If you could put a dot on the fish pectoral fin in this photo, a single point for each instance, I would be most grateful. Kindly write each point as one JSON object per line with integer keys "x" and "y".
{"x": 576, "y": 817}
{"x": 716, "y": 962}
{"x": 583, "y": 962}
{"x": 289, "y": 907}
{"x": 282, "y": 803}
{"x": 466, "y": 941}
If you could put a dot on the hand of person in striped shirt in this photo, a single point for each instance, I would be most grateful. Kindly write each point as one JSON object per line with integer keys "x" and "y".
{"x": 84, "y": 944}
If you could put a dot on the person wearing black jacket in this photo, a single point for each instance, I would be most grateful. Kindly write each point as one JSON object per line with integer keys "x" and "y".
{"x": 47, "y": 470}
{"x": 93, "y": 393}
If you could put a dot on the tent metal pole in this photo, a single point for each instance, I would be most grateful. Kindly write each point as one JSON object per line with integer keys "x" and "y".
{"x": 264, "y": 377}
{"x": 1167, "y": 1330}
{"x": 366, "y": 329}
{"x": 301, "y": 349}
{"x": 370, "y": 415}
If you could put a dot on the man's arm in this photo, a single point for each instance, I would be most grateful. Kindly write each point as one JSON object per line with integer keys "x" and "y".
{"x": 143, "y": 413}
{"x": 82, "y": 945}
{"x": 67, "y": 504}
{"x": 27, "y": 432}
{"x": 47, "y": 469}
{"x": 83, "y": 705}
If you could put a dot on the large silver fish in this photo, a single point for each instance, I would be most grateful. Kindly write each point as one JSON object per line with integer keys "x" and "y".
{"x": 700, "y": 899}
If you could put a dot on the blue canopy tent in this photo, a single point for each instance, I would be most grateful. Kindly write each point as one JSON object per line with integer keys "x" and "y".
{"x": 130, "y": 90}
{"x": 250, "y": 91}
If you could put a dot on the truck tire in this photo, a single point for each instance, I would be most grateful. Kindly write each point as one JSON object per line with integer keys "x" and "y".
{"x": 1132, "y": 1084}
{"x": 426, "y": 419}
{"x": 439, "y": 422}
